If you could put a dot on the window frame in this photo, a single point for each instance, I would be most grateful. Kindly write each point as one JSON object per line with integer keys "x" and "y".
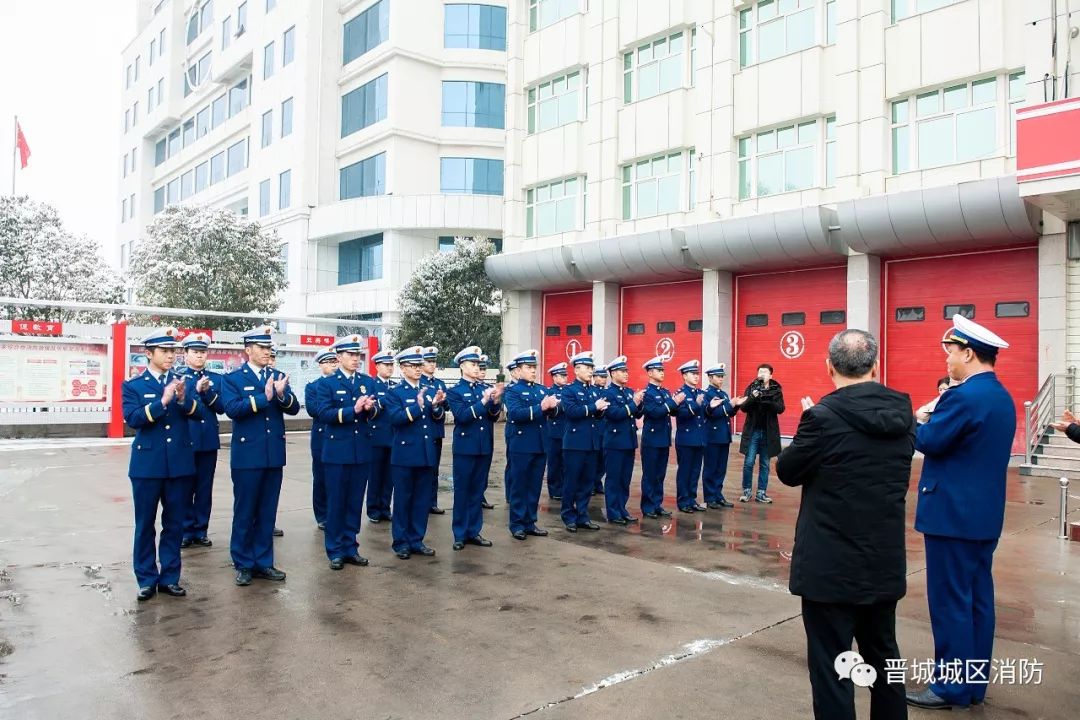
{"x": 378, "y": 171}
{"x": 558, "y": 89}
{"x": 634, "y": 68}
{"x": 904, "y": 14}
{"x": 288, "y": 46}
{"x": 533, "y": 204}
{"x": 748, "y": 157}
{"x": 631, "y": 183}
{"x": 471, "y": 166}
{"x": 358, "y": 99}
{"x": 285, "y": 189}
{"x": 360, "y": 26}
{"x": 361, "y": 246}
{"x": 479, "y": 36}
{"x": 749, "y": 24}
{"x": 564, "y": 10}
{"x": 266, "y": 129}
{"x": 471, "y": 113}
{"x": 287, "y": 117}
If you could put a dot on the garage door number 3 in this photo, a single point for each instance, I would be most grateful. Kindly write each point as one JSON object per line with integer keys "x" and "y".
{"x": 792, "y": 345}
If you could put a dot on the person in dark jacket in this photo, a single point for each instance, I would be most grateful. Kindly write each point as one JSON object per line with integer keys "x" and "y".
{"x": 763, "y": 403}
{"x": 852, "y": 457}
{"x": 1068, "y": 425}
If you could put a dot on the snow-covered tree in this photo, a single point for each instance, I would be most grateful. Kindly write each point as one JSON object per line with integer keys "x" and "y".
{"x": 209, "y": 259}
{"x": 450, "y": 302}
{"x": 41, "y": 260}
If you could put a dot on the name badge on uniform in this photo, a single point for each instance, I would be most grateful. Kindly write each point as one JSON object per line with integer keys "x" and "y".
{"x": 410, "y": 400}
{"x": 340, "y": 392}
{"x": 149, "y": 395}
{"x": 467, "y": 394}
{"x": 250, "y": 387}
{"x": 381, "y": 393}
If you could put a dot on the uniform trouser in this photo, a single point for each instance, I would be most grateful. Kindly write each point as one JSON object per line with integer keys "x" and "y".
{"x": 960, "y": 594}
{"x": 197, "y": 521}
{"x": 412, "y": 500}
{"x": 345, "y": 486}
{"x": 470, "y": 478}
{"x": 174, "y": 496}
{"x": 654, "y": 461}
{"x": 318, "y": 487}
{"x": 506, "y": 473}
{"x": 435, "y": 473}
{"x": 601, "y": 470}
{"x": 830, "y": 629}
{"x": 380, "y": 488}
{"x": 578, "y": 478}
{"x": 255, "y": 502}
{"x": 485, "y": 471}
{"x": 619, "y": 466}
{"x": 714, "y": 470}
{"x": 553, "y": 449}
{"x": 687, "y": 474}
{"x": 526, "y": 480}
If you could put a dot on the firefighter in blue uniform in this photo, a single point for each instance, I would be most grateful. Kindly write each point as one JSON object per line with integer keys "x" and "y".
{"x": 553, "y": 432}
{"x": 344, "y": 402}
{"x": 620, "y": 440}
{"x": 527, "y": 404}
{"x": 428, "y": 379}
{"x": 600, "y": 382}
{"x": 415, "y": 410}
{"x": 690, "y": 438}
{"x": 660, "y": 407}
{"x": 327, "y": 362}
{"x": 380, "y": 491}
{"x": 476, "y": 407}
{"x": 278, "y": 532}
{"x": 966, "y": 443}
{"x": 719, "y": 410}
{"x": 483, "y": 363}
{"x": 584, "y": 408}
{"x": 162, "y": 468}
{"x": 204, "y": 386}
{"x": 508, "y": 430}
{"x": 257, "y": 398}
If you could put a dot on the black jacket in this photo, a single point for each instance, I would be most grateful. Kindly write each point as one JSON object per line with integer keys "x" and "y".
{"x": 852, "y": 457}
{"x": 1073, "y": 432}
{"x": 762, "y": 407}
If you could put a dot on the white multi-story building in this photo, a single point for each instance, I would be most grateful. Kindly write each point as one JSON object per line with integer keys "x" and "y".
{"x": 367, "y": 133}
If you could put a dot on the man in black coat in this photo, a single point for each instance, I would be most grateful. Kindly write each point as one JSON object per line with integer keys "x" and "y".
{"x": 852, "y": 458}
{"x": 1068, "y": 425}
{"x": 763, "y": 403}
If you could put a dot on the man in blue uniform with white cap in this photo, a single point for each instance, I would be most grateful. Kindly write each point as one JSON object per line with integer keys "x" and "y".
{"x": 690, "y": 439}
{"x": 257, "y": 398}
{"x": 620, "y": 440}
{"x": 327, "y": 362}
{"x": 476, "y": 407}
{"x": 527, "y": 403}
{"x": 428, "y": 379}
{"x": 205, "y": 386}
{"x": 483, "y": 364}
{"x": 719, "y": 409}
{"x": 660, "y": 407}
{"x": 344, "y": 402}
{"x": 584, "y": 408}
{"x": 600, "y": 382}
{"x": 961, "y": 510}
{"x": 162, "y": 467}
{"x": 380, "y": 490}
{"x": 414, "y": 411}
{"x": 553, "y": 432}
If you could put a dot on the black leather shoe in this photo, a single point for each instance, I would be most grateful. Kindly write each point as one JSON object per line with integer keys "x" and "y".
{"x": 720, "y": 504}
{"x": 374, "y": 520}
{"x": 630, "y": 519}
{"x": 664, "y": 513}
{"x": 403, "y": 554}
{"x": 687, "y": 509}
{"x": 437, "y": 511}
{"x": 243, "y": 577}
{"x": 519, "y": 535}
{"x": 357, "y": 560}
{"x": 337, "y": 564}
{"x": 202, "y": 541}
{"x": 457, "y": 546}
{"x": 699, "y": 507}
{"x": 145, "y": 593}
{"x": 185, "y": 543}
{"x": 537, "y": 532}
{"x": 571, "y": 528}
{"x": 424, "y": 550}
{"x": 270, "y": 573}
{"x": 480, "y": 541}
{"x": 172, "y": 590}
{"x": 929, "y": 700}
{"x": 617, "y": 521}
{"x": 589, "y": 525}
{"x": 487, "y": 506}
{"x": 321, "y": 526}
{"x": 278, "y": 532}
{"x": 652, "y": 515}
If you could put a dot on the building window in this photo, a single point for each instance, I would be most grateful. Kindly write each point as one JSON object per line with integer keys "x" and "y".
{"x": 658, "y": 67}
{"x": 830, "y": 22}
{"x": 288, "y": 46}
{"x": 787, "y": 159}
{"x": 217, "y": 168}
{"x": 270, "y": 5}
{"x": 833, "y": 317}
{"x": 124, "y": 174}
{"x": 131, "y": 207}
{"x": 555, "y": 208}
{"x": 364, "y": 106}
{"x": 268, "y": 60}
{"x": 473, "y": 104}
{"x": 218, "y": 110}
{"x": 910, "y": 314}
{"x": 656, "y": 186}
{"x": 284, "y": 199}
{"x": 132, "y": 159}
{"x": 202, "y": 122}
{"x": 548, "y": 12}
{"x": 153, "y": 49}
{"x": 967, "y": 311}
{"x": 189, "y": 132}
{"x": 360, "y": 260}
{"x": 135, "y": 114}
{"x": 200, "y": 20}
{"x": 160, "y": 152}
{"x": 471, "y": 176}
{"x": 555, "y": 102}
{"x": 757, "y": 320}
{"x": 226, "y": 32}
{"x": 772, "y": 28}
{"x": 481, "y": 27}
{"x": 446, "y": 243}
{"x": 174, "y": 142}
{"x": 127, "y": 120}
{"x": 286, "y": 117}
{"x": 160, "y": 90}
{"x": 241, "y": 19}
{"x": 1017, "y": 94}
{"x": 239, "y": 97}
{"x": 793, "y": 318}
{"x": 202, "y": 177}
{"x": 365, "y": 31}
{"x": 123, "y": 211}
{"x": 906, "y": 8}
{"x": 137, "y": 62}
{"x": 187, "y": 184}
{"x": 1012, "y": 309}
{"x": 267, "y": 128}
{"x": 150, "y": 100}
{"x": 264, "y": 198}
{"x": 159, "y": 199}
{"x": 237, "y": 157}
{"x": 172, "y": 192}
{"x": 161, "y": 42}
{"x": 364, "y": 178}
{"x": 127, "y": 78}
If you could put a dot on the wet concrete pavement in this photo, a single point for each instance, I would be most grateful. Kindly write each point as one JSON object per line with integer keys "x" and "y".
{"x": 687, "y": 618}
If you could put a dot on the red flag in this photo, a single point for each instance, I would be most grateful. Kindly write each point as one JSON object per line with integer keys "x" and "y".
{"x": 21, "y": 144}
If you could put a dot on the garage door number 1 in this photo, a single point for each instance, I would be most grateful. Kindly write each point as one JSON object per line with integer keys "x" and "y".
{"x": 792, "y": 345}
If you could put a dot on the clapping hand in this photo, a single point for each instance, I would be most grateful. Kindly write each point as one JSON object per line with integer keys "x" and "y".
{"x": 639, "y": 396}
{"x": 807, "y": 403}
{"x": 269, "y": 389}
{"x": 602, "y": 404}
{"x": 678, "y": 397}
{"x": 549, "y": 402}
{"x": 486, "y": 397}
{"x": 363, "y": 403}
{"x": 700, "y": 399}
{"x": 279, "y": 385}
{"x": 497, "y": 393}
{"x": 440, "y": 397}
{"x": 169, "y": 393}
{"x": 181, "y": 390}
{"x": 203, "y": 384}
{"x": 420, "y": 398}
{"x": 1067, "y": 419}
{"x": 736, "y": 402}
{"x": 715, "y": 402}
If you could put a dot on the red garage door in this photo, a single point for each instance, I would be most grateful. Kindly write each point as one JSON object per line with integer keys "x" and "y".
{"x": 999, "y": 290}
{"x": 663, "y": 319}
{"x": 567, "y": 327}
{"x": 786, "y": 320}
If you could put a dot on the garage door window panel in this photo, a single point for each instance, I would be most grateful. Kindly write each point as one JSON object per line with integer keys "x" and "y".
{"x": 910, "y": 314}
{"x": 967, "y": 311}
{"x": 758, "y": 320}
{"x": 793, "y": 318}
{"x": 1012, "y": 310}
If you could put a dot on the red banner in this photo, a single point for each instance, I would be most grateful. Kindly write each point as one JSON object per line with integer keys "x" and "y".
{"x": 36, "y": 327}
{"x": 182, "y": 333}
{"x": 320, "y": 340}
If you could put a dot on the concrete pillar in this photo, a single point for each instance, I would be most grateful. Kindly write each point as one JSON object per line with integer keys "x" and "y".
{"x": 717, "y": 306}
{"x": 1053, "y": 261}
{"x": 864, "y": 293}
{"x": 522, "y": 315}
{"x": 605, "y": 321}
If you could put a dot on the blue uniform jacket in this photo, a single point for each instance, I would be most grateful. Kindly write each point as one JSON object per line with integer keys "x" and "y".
{"x": 718, "y": 419}
{"x": 966, "y": 446}
{"x": 203, "y": 425}
{"x": 414, "y": 428}
{"x": 162, "y": 447}
{"x": 318, "y": 429}
{"x": 474, "y": 420}
{"x": 620, "y": 427}
{"x": 258, "y": 432}
{"x": 380, "y": 432}
{"x": 582, "y": 418}
{"x": 525, "y": 432}
{"x": 556, "y": 420}
{"x": 345, "y": 440}
{"x": 436, "y": 384}
{"x": 659, "y": 407}
{"x": 690, "y": 419}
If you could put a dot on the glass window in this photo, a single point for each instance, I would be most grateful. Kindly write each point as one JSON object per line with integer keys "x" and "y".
{"x": 172, "y": 192}
{"x": 655, "y": 186}
{"x": 480, "y": 27}
{"x": 159, "y": 199}
{"x": 364, "y": 178}
{"x": 217, "y": 168}
{"x": 226, "y": 32}
{"x": 1012, "y": 309}
{"x": 150, "y": 100}
{"x": 548, "y": 12}
{"x": 552, "y": 331}
{"x": 555, "y": 102}
{"x": 660, "y": 66}
{"x": 793, "y": 318}
{"x": 288, "y": 46}
{"x": 473, "y": 104}
{"x": 285, "y": 190}
{"x": 446, "y": 244}
{"x": 241, "y": 19}
{"x": 967, "y": 311}
{"x": 264, "y": 198}
{"x": 910, "y": 314}
{"x": 471, "y": 176}
{"x": 236, "y": 157}
{"x": 161, "y": 42}
{"x": 153, "y": 49}
{"x": 268, "y": 60}
{"x": 203, "y": 69}
{"x": 160, "y": 153}
{"x": 189, "y": 132}
{"x": 364, "y": 106}
{"x": 267, "y": 128}
{"x": 202, "y": 122}
{"x": 239, "y": 97}
{"x": 666, "y": 326}
{"x": 906, "y": 8}
{"x": 160, "y": 90}
{"x": 773, "y": 28}
{"x": 787, "y": 159}
{"x": 365, "y": 31}
{"x": 174, "y": 142}
{"x": 573, "y": 330}
{"x": 555, "y": 208}
{"x": 123, "y": 210}
{"x": 758, "y": 320}
{"x": 206, "y": 15}
{"x": 270, "y": 5}
{"x": 187, "y": 184}
{"x": 695, "y": 325}
{"x": 1017, "y": 95}
{"x": 192, "y": 28}
{"x": 202, "y": 177}
{"x": 286, "y": 117}
{"x": 360, "y": 260}
{"x": 635, "y": 329}
{"x": 218, "y": 109}
{"x": 833, "y": 317}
